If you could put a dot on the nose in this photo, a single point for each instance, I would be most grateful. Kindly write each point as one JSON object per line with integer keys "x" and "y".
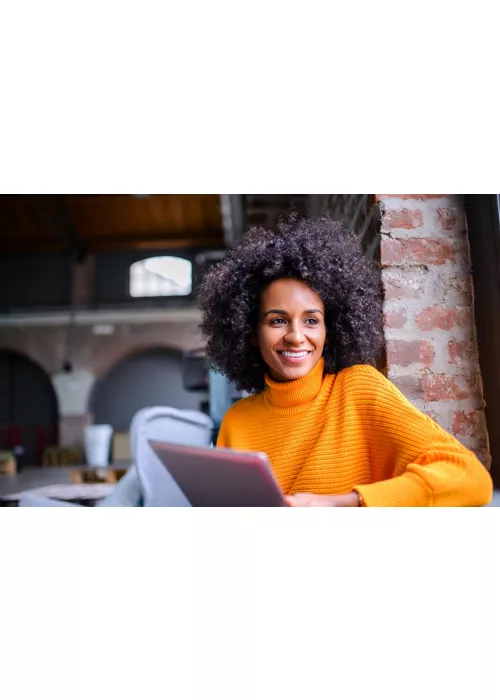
{"x": 295, "y": 335}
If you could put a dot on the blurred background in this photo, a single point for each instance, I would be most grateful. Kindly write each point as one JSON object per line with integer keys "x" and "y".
{"x": 98, "y": 317}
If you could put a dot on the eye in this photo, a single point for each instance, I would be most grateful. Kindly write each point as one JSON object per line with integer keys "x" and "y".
{"x": 277, "y": 321}
{"x": 312, "y": 321}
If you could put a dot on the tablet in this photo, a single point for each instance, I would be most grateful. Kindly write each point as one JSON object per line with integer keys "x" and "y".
{"x": 211, "y": 476}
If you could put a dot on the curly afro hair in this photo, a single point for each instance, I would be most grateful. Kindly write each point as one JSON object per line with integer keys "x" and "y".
{"x": 320, "y": 252}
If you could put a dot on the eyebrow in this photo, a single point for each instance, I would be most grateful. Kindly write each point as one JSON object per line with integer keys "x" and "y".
{"x": 285, "y": 313}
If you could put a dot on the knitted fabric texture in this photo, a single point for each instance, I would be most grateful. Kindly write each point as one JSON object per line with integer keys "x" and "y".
{"x": 331, "y": 434}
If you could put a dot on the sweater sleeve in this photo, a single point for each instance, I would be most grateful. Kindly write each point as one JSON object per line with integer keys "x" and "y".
{"x": 223, "y": 436}
{"x": 420, "y": 463}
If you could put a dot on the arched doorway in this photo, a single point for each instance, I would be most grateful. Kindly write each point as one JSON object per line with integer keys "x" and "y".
{"x": 28, "y": 407}
{"x": 149, "y": 378}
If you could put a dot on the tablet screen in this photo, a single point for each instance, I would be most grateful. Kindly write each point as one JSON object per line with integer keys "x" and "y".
{"x": 220, "y": 477}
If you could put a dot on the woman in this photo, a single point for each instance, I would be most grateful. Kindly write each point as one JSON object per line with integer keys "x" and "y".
{"x": 294, "y": 318}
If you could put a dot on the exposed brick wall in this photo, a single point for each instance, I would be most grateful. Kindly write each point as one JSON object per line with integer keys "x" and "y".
{"x": 428, "y": 312}
{"x": 94, "y": 353}
{"x": 98, "y": 353}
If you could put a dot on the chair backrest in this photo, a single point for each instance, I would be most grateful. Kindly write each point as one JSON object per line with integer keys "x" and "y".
{"x": 168, "y": 425}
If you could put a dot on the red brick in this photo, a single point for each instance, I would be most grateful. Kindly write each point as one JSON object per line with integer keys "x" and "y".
{"x": 407, "y": 251}
{"x": 463, "y": 317}
{"x": 461, "y": 351}
{"x": 403, "y": 218}
{"x": 407, "y": 352}
{"x": 426, "y": 353}
{"x": 403, "y": 352}
{"x": 466, "y": 423}
{"x": 436, "y": 317}
{"x": 451, "y": 219}
{"x": 395, "y": 319}
{"x": 443, "y": 387}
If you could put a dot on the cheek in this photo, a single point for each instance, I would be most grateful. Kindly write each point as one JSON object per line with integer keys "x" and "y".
{"x": 266, "y": 340}
{"x": 320, "y": 339}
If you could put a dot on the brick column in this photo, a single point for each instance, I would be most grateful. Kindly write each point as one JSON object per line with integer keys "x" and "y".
{"x": 428, "y": 312}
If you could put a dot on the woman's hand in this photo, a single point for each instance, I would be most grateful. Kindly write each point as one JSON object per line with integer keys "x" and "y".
{"x": 344, "y": 500}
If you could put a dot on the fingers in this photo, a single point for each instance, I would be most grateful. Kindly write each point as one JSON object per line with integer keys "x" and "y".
{"x": 311, "y": 500}
{"x": 301, "y": 500}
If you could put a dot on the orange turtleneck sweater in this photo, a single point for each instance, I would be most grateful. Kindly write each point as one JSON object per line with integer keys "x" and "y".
{"x": 335, "y": 433}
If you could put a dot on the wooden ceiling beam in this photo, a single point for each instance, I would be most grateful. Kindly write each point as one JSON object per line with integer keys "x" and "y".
{"x": 149, "y": 239}
{"x": 111, "y": 243}
{"x": 154, "y": 243}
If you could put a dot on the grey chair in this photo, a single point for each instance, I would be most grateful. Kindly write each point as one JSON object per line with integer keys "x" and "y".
{"x": 166, "y": 424}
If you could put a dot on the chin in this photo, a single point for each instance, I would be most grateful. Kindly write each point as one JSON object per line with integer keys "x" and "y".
{"x": 295, "y": 372}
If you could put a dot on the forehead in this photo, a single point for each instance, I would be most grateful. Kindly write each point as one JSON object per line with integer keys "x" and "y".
{"x": 290, "y": 294}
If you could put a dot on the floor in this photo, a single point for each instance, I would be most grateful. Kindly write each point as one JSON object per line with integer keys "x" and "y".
{"x": 35, "y": 478}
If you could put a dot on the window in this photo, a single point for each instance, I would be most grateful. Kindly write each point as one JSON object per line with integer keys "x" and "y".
{"x": 163, "y": 276}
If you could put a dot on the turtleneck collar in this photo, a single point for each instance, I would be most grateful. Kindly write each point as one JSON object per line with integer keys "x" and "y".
{"x": 298, "y": 391}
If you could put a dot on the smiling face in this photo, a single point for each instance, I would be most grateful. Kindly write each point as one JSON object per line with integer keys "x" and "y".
{"x": 291, "y": 333}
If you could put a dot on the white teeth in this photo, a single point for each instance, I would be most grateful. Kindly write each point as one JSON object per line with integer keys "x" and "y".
{"x": 294, "y": 354}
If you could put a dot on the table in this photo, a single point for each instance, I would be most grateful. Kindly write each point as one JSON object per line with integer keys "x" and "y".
{"x": 84, "y": 494}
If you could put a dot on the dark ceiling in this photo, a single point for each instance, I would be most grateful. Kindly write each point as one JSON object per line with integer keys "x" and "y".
{"x": 94, "y": 223}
